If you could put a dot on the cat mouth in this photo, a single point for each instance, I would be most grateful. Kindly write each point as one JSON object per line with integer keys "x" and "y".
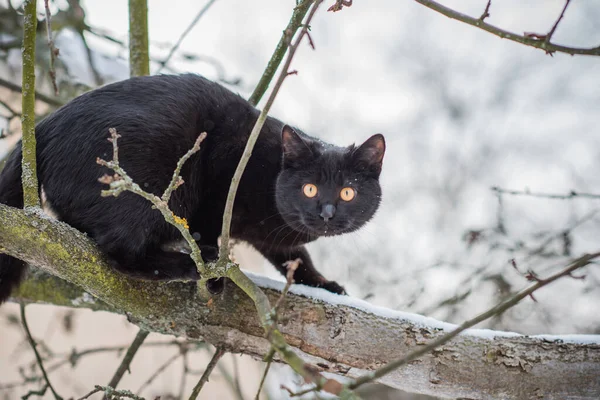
{"x": 322, "y": 228}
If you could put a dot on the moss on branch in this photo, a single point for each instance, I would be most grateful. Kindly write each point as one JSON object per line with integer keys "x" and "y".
{"x": 341, "y": 339}
{"x": 30, "y": 182}
{"x": 139, "y": 55}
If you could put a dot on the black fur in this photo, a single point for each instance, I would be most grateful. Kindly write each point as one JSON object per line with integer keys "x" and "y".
{"x": 159, "y": 118}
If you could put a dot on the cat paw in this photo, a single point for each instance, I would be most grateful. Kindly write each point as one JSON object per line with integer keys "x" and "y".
{"x": 215, "y": 285}
{"x": 333, "y": 287}
{"x": 209, "y": 253}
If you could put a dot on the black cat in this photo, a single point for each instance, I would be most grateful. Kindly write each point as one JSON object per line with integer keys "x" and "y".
{"x": 294, "y": 190}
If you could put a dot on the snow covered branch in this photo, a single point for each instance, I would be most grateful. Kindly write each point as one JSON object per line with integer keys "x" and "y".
{"x": 338, "y": 334}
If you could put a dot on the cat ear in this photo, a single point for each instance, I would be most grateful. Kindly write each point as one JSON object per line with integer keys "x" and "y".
{"x": 369, "y": 156}
{"x": 296, "y": 150}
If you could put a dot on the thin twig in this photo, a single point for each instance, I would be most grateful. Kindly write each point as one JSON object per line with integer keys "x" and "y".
{"x": 53, "y": 49}
{"x": 235, "y": 181}
{"x": 523, "y": 39}
{"x": 111, "y": 393}
{"x": 38, "y": 96}
{"x": 10, "y": 109}
{"x": 177, "y": 180}
{"x": 158, "y": 371}
{"x": 339, "y": 5}
{"x": 486, "y": 12}
{"x": 94, "y": 391}
{"x": 184, "y": 374}
{"x": 269, "y": 360}
{"x": 496, "y": 310}
{"x": 39, "y": 392}
{"x": 184, "y": 34}
{"x": 37, "y": 354}
{"x": 121, "y": 182}
{"x": 549, "y": 35}
{"x": 291, "y": 266}
{"x": 236, "y": 374}
{"x": 571, "y": 195}
{"x": 209, "y": 368}
{"x": 259, "y": 298}
{"x": 135, "y": 346}
{"x": 73, "y": 357}
{"x": 236, "y": 391}
{"x": 288, "y": 33}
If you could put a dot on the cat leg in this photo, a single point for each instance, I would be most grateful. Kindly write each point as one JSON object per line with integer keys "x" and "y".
{"x": 306, "y": 273}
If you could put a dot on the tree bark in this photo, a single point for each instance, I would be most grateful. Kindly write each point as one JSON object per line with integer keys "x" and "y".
{"x": 338, "y": 338}
{"x": 139, "y": 55}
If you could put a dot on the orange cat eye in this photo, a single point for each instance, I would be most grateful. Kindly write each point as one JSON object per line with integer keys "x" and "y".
{"x": 347, "y": 193}
{"x": 309, "y": 190}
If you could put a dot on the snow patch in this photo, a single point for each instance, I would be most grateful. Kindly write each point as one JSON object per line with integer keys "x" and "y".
{"x": 416, "y": 319}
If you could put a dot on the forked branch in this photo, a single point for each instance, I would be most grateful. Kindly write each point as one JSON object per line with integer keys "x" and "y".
{"x": 533, "y": 40}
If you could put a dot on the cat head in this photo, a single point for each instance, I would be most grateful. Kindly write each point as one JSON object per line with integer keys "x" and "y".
{"x": 326, "y": 190}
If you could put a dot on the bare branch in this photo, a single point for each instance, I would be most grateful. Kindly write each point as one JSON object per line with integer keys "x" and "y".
{"x": 496, "y": 310}
{"x": 112, "y": 393}
{"x": 339, "y": 5}
{"x": 209, "y": 369}
{"x": 124, "y": 366}
{"x": 28, "y": 162}
{"x": 339, "y": 335}
{"x": 228, "y": 213}
{"x": 523, "y": 39}
{"x": 571, "y": 195}
{"x": 288, "y": 33}
{"x": 38, "y": 96}
{"x": 121, "y": 182}
{"x": 53, "y": 49}
{"x": 486, "y": 12}
{"x": 158, "y": 371}
{"x": 37, "y": 354}
{"x": 269, "y": 360}
{"x": 139, "y": 56}
{"x": 177, "y": 180}
{"x": 548, "y": 36}
{"x": 203, "y": 10}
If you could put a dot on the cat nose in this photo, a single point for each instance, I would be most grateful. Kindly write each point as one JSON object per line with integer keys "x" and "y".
{"x": 327, "y": 212}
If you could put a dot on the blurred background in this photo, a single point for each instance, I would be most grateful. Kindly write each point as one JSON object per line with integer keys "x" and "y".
{"x": 462, "y": 111}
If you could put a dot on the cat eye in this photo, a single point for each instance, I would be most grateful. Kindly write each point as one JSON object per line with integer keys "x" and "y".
{"x": 309, "y": 190}
{"x": 347, "y": 193}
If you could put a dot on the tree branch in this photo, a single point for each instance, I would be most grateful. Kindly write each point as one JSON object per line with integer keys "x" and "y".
{"x": 209, "y": 368}
{"x": 239, "y": 171}
{"x": 38, "y": 96}
{"x": 37, "y": 354}
{"x": 139, "y": 58}
{"x": 128, "y": 358}
{"x": 28, "y": 162}
{"x": 340, "y": 335}
{"x": 202, "y": 11}
{"x": 53, "y": 49}
{"x": 571, "y": 195}
{"x": 286, "y": 38}
{"x": 523, "y": 39}
{"x": 496, "y": 310}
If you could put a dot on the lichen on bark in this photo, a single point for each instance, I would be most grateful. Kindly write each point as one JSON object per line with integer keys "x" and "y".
{"x": 139, "y": 55}
{"x": 29, "y": 175}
